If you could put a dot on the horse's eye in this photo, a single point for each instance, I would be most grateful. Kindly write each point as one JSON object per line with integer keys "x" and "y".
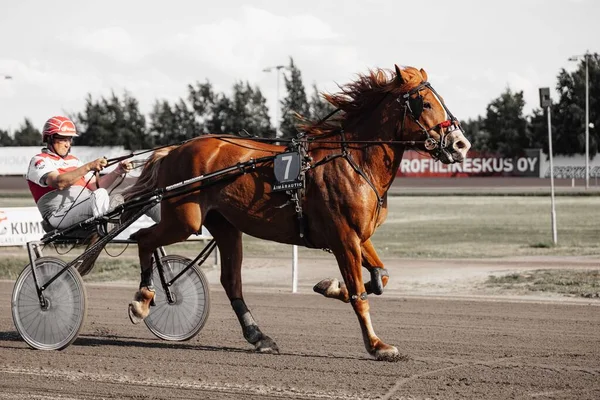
{"x": 427, "y": 105}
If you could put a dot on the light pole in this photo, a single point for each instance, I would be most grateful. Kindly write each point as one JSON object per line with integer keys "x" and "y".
{"x": 269, "y": 69}
{"x": 546, "y": 102}
{"x": 279, "y": 68}
{"x": 586, "y": 58}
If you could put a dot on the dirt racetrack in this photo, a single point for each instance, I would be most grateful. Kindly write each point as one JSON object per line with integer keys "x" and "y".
{"x": 459, "y": 342}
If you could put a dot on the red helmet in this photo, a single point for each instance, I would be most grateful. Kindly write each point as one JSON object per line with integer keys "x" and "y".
{"x": 59, "y": 125}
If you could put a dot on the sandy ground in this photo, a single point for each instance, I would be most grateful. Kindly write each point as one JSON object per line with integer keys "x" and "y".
{"x": 461, "y": 340}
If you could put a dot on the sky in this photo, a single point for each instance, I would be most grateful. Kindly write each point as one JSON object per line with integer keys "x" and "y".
{"x": 59, "y": 51}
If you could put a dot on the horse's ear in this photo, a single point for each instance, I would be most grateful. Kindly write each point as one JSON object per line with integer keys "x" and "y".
{"x": 424, "y": 75}
{"x": 399, "y": 78}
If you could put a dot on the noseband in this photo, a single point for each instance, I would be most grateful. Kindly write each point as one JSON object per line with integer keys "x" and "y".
{"x": 413, "y": 106}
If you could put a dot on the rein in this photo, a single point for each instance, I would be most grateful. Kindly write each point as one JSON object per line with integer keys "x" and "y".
{"x": 112, "y": 161}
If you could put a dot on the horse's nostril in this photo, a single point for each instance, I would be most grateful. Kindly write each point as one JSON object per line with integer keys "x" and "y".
{"x": 460, "y": 145}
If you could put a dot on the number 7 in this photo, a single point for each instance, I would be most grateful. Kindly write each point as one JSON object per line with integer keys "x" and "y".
{"x": 288, "y": 159}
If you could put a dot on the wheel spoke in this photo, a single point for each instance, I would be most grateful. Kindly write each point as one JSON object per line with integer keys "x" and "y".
{"x": 184, "y": 318}
{"x": 57, "y": 325}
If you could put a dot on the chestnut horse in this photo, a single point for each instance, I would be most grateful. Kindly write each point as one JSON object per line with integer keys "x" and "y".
{"x": 353, "y": 159}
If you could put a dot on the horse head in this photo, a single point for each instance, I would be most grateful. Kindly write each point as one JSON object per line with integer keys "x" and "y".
{"x": 426, "y": 119}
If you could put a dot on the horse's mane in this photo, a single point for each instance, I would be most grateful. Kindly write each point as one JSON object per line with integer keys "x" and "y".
{"x": 362, "y": 95}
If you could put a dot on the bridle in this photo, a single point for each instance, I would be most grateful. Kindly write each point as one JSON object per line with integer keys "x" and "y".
{"x": 413, "y": 106}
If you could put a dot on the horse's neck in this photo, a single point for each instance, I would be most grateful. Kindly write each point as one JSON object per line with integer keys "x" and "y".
{"x": 380, "y": 162}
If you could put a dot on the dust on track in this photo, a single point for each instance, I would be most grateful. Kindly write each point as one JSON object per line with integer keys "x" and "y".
{"x": 456, "y": 348}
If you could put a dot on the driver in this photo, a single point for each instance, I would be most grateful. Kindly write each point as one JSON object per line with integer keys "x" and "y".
{"x": 66, "y": 190}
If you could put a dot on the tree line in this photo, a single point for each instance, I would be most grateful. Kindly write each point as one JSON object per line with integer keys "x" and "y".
{"x": 504, "y": 129}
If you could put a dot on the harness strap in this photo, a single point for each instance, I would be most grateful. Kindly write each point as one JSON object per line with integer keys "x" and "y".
{"x": 348, "y": 157}
{"x": 356, "y": 168}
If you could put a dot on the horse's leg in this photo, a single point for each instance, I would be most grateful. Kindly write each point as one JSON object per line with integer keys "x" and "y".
{"x": 335, "y": 289}
{"x": 229, "y": 240}
{"x": 349, "y": 260}
{"x": 371, "y": 261}
{"x": 149, "y": 239}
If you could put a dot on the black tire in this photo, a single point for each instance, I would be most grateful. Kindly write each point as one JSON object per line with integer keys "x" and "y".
{"x": 58, "y": 325}
{"x": 186, "y": 316}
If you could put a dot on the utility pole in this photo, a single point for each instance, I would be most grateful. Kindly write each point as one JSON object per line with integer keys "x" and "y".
{"x": 279, "y": 69}
{"x": 586, "y": 60}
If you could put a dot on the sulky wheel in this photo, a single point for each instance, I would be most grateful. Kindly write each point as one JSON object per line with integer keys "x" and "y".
{"x": 186, "y": 315}
{"x": 56, "y": 324}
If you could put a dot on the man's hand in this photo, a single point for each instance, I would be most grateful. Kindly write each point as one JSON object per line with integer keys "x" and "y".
{"x": 124, "y": 167}
{"x": 97, "y": 165}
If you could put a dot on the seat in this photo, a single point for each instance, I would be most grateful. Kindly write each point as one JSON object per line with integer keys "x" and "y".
{"x": 75, "y": 236}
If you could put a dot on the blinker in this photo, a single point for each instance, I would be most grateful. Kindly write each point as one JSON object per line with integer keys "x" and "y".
{"x": 416, "y": 106}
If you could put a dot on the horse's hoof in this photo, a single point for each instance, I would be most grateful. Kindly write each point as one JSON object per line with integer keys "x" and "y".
{"x": 266, "y": 345}
{"x": 390, "y": 354}
{"x": 328, "y": 287}
{"x": 132, "y": 317}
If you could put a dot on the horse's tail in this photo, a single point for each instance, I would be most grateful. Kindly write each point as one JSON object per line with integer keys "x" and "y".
{"x": 149, "y": 176}
{"x": 148, "y": 179}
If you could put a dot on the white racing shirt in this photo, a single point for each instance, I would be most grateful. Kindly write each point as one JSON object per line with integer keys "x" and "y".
{"x": 49, "y": 199}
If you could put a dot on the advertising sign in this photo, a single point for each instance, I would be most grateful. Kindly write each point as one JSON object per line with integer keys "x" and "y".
{"x": 19, "y": 225}
{"x": 415, "y": 164}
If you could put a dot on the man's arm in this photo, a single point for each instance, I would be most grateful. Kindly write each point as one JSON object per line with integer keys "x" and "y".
{"x": 67, "y": 179}
{"x": 108, "y": 179}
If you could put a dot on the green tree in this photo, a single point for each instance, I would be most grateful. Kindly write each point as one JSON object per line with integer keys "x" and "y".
{"x": 94, "y": 125}
{"x": 569, "y": 111}
{"x": 218, "y": 118}
{"x": 212, "y": 109}
{"x": 6, "y": 139}
{"x": 219, "y": 114}
{"x": 479, "y": 138}
{"x": 294, "y": 104}
{"x": 249, "y": 112}
{"x": 203, "y": 98}
{"x": 113, "y": 122}
{"x": 162, "y": 123}
{"x": 538, "y": 129}
{"x": 27, "y": 135}
{"x": 170, "y": 125}
{"x": 259, "y": 122}
{"x": 506, "y": 124}
{"x": 132, "y": 124}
